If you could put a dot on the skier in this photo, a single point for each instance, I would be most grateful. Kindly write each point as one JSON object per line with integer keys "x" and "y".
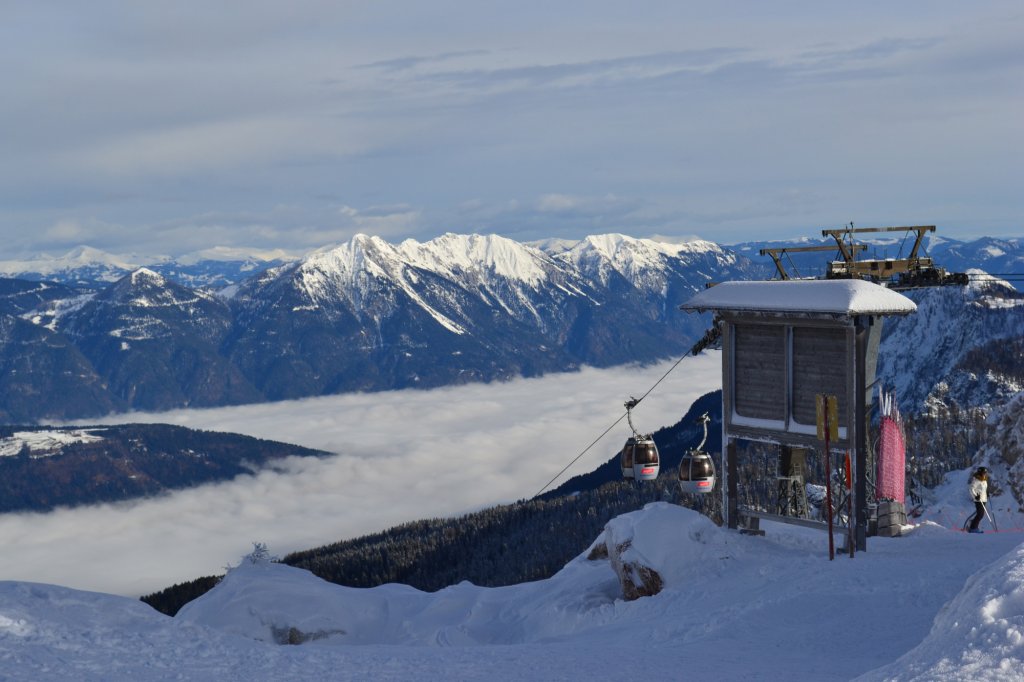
{"x": 978, "y": 486}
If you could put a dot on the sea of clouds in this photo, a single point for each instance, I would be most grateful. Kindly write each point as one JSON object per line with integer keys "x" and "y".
{"x": 399, "y": 456}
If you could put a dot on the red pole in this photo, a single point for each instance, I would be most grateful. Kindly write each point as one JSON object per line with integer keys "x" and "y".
{"x": 828, "y": 493}
{"x": 849, "y": 504}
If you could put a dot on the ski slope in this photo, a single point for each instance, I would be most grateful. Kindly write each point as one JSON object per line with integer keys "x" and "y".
{"x": 935, "y": 604}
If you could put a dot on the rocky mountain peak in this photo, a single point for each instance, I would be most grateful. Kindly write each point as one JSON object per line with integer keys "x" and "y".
{"x": 487, "y": 256}
{"x": 642, "y": 262}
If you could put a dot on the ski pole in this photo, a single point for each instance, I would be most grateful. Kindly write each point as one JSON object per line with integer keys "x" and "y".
{"x": 990, "y": 519}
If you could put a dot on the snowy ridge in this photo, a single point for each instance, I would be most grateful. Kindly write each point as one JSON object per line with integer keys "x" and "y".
{"x": 144, "y": 288}
{"x": 86, "y": 266}
{"x": 357, "y": 271}
{"x": 493, "y": 269}
{"x": 485, "y": 257}
{"x": 642, "y": 262}
{"x": 50, "y": 315}
{"x": 44, "y": 443}
{"x": 100, "y": 264}
{"x": 919, "y": 353}
{"x": 227, "y": 253}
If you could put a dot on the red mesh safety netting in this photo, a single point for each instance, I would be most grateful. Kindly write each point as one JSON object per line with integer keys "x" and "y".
{"x": 891, "y": 461}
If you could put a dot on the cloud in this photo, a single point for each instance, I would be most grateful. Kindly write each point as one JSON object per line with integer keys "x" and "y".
{"x": 402, "y": 456}
{"x": 596, "y": 72}
{"x": 382, "y": 221}
{"x": 65, "y": 231}
{"x": 156, "y": 115}
{"x": 406, "y": 63}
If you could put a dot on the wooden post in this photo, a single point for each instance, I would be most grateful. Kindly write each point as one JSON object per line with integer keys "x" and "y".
{"x": 859, "y": 426}
{"x": 827, "y": 412}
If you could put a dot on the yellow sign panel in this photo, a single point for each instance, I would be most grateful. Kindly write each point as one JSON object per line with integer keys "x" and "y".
{"x": 827, "y": 405}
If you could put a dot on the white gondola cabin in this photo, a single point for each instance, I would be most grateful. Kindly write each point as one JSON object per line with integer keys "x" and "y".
{"x": 697, "y": 469}
{"x": 639, "y": 457}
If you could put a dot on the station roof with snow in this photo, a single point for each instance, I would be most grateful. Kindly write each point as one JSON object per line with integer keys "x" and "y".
{"x": 839, "y": 297}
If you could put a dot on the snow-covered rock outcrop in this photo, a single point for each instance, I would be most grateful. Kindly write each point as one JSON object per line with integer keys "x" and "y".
{"x": 928, "y": 353}
{"x": 1004, "y": 452}
{"x": 644, "y": 547}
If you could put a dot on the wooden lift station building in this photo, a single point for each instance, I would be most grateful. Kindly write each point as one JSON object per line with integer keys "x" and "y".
{"x": 785, "y": 342}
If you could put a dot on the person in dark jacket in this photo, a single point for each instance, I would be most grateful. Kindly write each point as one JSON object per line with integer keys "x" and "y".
{"x": 978, "y": 486}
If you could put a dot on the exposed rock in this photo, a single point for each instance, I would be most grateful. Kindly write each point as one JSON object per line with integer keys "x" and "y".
{"x": 598, "y": 552}
{"x": 293, "y": 635}
{"x": 1004, "y": 452}
{"x": 636, "y": 578}
{"x": 641, "y": 544}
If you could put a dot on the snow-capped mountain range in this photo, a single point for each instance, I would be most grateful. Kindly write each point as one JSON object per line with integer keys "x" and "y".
{"x": 372, "y": 315}
{"x": 91, "y": 268}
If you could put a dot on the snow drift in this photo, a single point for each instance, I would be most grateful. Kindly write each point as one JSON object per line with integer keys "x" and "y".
{"x": 732, "y": 607}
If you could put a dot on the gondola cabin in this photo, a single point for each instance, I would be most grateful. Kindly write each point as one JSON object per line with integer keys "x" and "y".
{"x": 639, "y": 459}
{"x": 697, "y": 469}
{"x": 696, "y": 473}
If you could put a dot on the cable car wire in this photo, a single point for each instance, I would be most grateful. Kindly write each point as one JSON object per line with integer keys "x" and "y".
{"x": 634, "y": 402}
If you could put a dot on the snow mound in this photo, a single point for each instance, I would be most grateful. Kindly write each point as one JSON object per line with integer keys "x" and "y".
{"x": 274, "y": 603}
{"x": 662, "y": 546}
{"x": 979, "y": 635}
{"x": 56, "y": 633}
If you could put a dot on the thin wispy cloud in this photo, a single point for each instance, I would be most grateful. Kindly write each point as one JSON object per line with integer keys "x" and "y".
{"x": 401, "y": 456}
{"x": 153, "y": 116}
{"x": 406, "y": 63}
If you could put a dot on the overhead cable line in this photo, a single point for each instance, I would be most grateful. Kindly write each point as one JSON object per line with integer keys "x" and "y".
{"x": 710, "y": 336}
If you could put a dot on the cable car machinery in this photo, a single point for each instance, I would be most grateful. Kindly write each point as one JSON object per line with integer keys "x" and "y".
{"x": 896, "y": 273}
{"x": 910, "y": 272}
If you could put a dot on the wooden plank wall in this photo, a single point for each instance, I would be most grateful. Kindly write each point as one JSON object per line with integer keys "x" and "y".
{"x": 760, "y": 371}
{"x": 819, "y": 366}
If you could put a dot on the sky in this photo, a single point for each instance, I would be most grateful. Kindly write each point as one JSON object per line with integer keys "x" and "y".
{"x": 166, "y": 128}
{"x": 460, "y": 449}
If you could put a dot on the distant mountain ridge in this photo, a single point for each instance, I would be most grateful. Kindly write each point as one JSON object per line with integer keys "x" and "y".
{"x": 362, "y": 316}
{"x": 91, "y": 268}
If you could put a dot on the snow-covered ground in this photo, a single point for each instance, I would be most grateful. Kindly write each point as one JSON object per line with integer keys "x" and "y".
{"x": 935, "y": 604}
{"x": 43, "y": 443}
